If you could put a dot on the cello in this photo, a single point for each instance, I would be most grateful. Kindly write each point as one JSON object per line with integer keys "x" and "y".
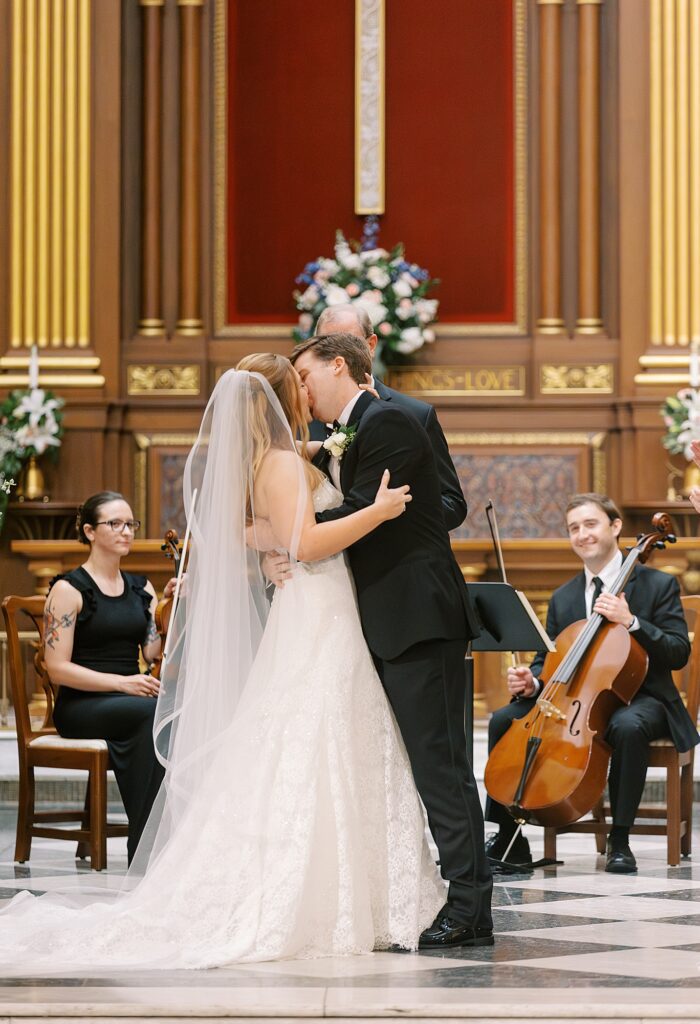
{"x": 551, "y": 766}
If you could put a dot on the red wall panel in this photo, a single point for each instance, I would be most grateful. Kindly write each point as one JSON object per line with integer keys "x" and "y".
{"x": 449, "y": 148}
{"x": 449, "y": 155}
{"x": 291, "y": 71}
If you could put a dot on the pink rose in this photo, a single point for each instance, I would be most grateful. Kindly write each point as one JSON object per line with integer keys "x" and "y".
{"x": 306, "y": 322}
{"x": 353, "y": 288}
{"x": 384, "y": 328}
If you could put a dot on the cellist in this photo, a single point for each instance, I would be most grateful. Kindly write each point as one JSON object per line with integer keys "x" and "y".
{"x": 651, "y": 609}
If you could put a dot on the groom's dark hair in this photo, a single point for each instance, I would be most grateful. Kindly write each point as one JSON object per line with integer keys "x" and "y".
{"x": 326, "y": 347}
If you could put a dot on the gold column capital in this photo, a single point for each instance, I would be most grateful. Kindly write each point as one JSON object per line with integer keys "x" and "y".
{"x": 190, "y": 3}
{"x": 151, "y": 3}
{"x": 589, "y": 3}
{"x": 550, "y": 3}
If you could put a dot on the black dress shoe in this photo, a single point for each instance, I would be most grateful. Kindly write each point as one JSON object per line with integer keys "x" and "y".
{"x": 620, "y": 860}
{"x": 444, "y": 931}
{"x": 519, "y": 853}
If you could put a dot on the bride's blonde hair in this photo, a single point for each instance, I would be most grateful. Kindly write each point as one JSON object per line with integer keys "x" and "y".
{"x": 266, "y": 431}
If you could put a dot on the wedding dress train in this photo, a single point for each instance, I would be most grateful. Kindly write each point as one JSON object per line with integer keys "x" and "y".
{"x": 307, "y": 836}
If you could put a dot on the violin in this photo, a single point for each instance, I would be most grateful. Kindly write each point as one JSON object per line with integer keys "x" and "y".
{"x": 172, "y": 549}
{"x": 551, "y": 766}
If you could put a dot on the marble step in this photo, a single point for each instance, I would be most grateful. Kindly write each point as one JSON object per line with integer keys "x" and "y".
{"x": 88, "y": 1002}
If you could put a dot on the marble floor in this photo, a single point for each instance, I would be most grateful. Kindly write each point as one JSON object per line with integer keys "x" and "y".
{"x": 572, "y": 943}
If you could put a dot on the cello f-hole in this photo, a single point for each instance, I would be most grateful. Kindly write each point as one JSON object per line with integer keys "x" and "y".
{"x": 572, "y": 731}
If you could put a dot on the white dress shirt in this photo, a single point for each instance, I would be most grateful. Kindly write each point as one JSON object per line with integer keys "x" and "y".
{"x": 334, "y": 464}
{"x": 607, "y": 575}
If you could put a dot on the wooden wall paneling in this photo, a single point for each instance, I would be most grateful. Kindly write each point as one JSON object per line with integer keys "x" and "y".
{"x": 151, "y": 323}
{"x": 171, "y": 168}
{"x": 162, "y": 368}
{"x": 634, "y": 197}
{"x": 610, "y": 43}
{"x": 549, "y": 308}
{"x": 159, "y": 460}
{"x": 130, "y": 171}
{"x": 588, "y": 313}
{"x": 189, "y": 322}
{"x": 207, "y": 197}
{"x": 568, "y": 169}
{"x": 647, "y": 472}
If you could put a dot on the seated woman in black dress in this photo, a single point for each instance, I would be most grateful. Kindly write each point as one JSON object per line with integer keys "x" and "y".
{"x": 96, "y": 618}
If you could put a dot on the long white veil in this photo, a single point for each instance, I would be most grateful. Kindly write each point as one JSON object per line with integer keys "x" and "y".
{"x": 218, "y": 628}
{"x": 221, "y": 616}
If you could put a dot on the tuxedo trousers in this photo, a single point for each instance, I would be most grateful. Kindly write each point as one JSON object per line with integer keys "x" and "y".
{"x": 630, "y": 731}
{"x": 425, "y": 687}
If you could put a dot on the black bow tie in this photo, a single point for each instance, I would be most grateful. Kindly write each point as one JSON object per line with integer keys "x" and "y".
{"x": 332, "y": 428}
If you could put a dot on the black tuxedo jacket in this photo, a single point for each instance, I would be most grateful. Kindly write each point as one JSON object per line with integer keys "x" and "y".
{"x": 454, "y": 507}
{"x": 654, "y": 597}
{"x": 409, "y": 586}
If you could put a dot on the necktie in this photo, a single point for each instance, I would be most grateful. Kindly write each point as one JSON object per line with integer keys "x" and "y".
{"x": 597, "y": 587}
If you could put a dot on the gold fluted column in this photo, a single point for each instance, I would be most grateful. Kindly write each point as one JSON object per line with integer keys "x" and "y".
{"x": 674, "y": 172}
{"x": 694, "y": 163}
{"x": 674, "y": 55}
{"x": 50, "y": 163}
{"x": 189, "y": 293}
{"x": 550, "y": 319}
{"x": 589, "y": 320}
{"x": 151, "y": 321}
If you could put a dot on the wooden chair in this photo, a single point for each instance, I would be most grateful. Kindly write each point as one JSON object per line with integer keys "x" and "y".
{"x": 44, "y": 748}
{"x": 677, "y": 816}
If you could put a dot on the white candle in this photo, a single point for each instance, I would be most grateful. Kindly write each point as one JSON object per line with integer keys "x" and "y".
{"x": 34, "y": 369}
{"x": 695, "y": 364}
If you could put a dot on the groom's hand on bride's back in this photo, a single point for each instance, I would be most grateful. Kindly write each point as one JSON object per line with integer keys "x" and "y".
{"x": 276, "y": 568}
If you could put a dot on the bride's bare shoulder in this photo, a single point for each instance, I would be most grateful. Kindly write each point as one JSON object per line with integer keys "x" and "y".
{"x": 279, "y": 463}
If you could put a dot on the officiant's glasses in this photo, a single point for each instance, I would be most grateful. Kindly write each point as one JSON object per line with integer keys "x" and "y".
{"x": 119, "y": 525}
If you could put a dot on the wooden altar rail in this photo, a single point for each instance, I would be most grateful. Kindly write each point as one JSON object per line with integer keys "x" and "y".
{"x": 536, "y": 567}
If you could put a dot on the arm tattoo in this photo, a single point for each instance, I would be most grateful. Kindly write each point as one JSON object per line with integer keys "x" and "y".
{"x": 52, "y": 625}
{"x": 151, "y": 633}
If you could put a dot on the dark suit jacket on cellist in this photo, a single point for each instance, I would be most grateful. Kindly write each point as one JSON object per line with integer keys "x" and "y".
{"x": 654, "y": 597}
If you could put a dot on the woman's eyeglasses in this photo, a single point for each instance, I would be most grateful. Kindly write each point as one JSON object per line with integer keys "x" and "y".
{"x": 119, "y": 525}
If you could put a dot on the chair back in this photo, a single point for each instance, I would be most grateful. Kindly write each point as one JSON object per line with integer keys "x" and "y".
{"x": 688, "y": 679}
{"x": 18, "y": 612}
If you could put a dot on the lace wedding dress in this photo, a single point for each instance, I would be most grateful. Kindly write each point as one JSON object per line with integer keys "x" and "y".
{"x": 308, "y": 837}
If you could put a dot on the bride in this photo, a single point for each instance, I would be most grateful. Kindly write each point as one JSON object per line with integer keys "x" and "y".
{"x": 288, "y": 824}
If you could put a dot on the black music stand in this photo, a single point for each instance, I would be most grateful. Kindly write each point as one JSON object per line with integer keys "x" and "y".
{"x": 508, "y": 623}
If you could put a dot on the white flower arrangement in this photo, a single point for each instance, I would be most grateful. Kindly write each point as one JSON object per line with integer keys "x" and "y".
{"x": 392, "y": 291}
{"x": 681, "y": 415}
{"x": 30, "y": 425}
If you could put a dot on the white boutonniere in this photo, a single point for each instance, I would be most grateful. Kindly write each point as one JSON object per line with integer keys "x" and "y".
{"x": 340, "y": 440}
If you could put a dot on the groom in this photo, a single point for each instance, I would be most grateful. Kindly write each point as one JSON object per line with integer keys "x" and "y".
{"x": 415, "y": 615}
